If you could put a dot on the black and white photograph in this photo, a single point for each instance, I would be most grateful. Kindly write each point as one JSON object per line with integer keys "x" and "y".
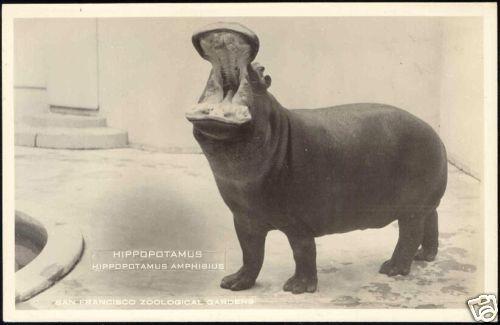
{"x": 285, "y": 161}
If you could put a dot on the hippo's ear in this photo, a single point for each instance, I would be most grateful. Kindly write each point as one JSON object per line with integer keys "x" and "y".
{"x": 267, "y": 80}
{"x": 259, "y": 69}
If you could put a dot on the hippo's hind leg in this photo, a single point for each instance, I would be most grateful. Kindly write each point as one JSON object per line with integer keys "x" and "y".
{"x": 411, "y": 231}
{"x": 429, "y": 248}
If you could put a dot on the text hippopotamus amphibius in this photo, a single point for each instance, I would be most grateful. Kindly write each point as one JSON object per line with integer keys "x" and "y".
{"x": 311, "y": 172}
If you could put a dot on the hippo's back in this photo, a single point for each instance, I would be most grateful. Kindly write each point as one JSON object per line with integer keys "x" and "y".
{"x": 362, "y": 166}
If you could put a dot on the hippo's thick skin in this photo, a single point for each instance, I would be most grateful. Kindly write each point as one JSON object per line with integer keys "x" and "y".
{"x": 314, "y": 172}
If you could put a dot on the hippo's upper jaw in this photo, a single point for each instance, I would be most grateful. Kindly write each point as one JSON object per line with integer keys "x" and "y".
{"x": 224, "y": 105}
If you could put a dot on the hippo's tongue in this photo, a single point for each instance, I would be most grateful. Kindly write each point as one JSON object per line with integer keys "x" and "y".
{"x": 230, "y": 48}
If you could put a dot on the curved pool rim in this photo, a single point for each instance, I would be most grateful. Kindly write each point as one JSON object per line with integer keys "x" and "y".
{"x": 61, "y": 252}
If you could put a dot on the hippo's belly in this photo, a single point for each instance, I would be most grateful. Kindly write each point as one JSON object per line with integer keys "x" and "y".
{"x": 361, "y": 166}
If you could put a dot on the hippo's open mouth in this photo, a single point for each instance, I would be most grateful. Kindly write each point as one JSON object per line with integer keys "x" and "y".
{"x": 230, "y": 48}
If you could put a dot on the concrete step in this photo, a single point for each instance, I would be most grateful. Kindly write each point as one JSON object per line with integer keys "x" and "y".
{"x": 70, "y": 138}
{"x": 64, "y": 120}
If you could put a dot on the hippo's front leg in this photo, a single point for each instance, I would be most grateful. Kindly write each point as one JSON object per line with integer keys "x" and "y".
{"x": 305, "y": 278}
{"x": 252, "y": 237}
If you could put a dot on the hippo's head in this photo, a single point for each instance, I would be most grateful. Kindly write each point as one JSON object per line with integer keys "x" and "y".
{"x": 226, "y": 107}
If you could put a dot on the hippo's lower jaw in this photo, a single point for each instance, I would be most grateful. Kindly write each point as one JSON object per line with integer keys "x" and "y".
{"x": 228, "y": 94}
{"x": 220, "y": 130}
{"x": 224, "y": 112}
{"x": 219, "y": 121}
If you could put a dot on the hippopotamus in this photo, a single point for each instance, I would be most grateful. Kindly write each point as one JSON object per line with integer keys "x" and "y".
{"x": 311, "y": 172}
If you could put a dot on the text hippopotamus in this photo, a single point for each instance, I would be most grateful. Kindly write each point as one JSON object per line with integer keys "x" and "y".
{"x": 311, "y": 172}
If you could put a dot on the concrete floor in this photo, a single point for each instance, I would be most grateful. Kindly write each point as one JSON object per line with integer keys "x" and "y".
{"x": 130, "y": 199}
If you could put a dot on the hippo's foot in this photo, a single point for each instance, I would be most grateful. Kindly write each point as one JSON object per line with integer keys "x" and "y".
{"x": 426, "y": 255}
{"x": 301, "y": 283}
{"x": 240, "y": 280}
{"x": 393, "y": 268}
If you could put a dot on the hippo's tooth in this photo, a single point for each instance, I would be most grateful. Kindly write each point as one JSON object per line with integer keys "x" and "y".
{"x": 213, "y": 89}
{"x": 243, "y": 94}
{"x": 200, "y": 109}
{"x": 229, "y": 96}
{"x": 217, "y": 111}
